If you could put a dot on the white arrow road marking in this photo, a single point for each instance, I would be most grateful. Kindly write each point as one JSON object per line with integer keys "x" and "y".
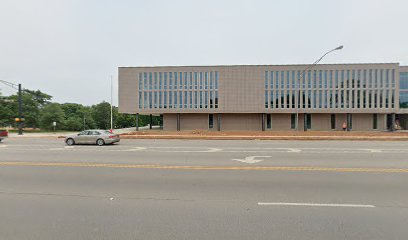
{"x": 251, "y": 159}
{"x": 134, "y": 149}
{"x": 373, "y": 150}
{"x": 315, "y": 204}
{"x": 3, "y": 146}
{"x": 294, "y": 150}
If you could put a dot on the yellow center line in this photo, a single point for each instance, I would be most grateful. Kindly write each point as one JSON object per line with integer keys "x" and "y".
{"x": 251, "y": 168}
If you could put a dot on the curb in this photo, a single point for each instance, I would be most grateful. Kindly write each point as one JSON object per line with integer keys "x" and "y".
{"x": 333, "y": 138}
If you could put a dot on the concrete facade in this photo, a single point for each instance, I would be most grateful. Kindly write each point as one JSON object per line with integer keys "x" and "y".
{"x": 245, "y": 97}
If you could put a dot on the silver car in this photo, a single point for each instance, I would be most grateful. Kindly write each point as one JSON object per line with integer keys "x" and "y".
{"x": 98, "y": 137}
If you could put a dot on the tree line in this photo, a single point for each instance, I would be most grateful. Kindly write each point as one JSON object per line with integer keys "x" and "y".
{"x": 40, "y": 112}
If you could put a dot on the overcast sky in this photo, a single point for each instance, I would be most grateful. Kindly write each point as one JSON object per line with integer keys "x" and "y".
{"x": 69, "y": 49}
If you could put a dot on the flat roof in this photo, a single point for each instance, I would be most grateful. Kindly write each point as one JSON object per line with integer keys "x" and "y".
{"x": 262, "y": 65}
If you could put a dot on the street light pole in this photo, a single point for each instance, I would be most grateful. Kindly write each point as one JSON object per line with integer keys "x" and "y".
{"x": 302, "y": 77}
{"x": 20, "y": 111}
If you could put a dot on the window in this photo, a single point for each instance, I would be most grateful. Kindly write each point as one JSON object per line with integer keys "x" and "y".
{"x": 155, "y": 81}
{"x": 375, "y": 121}
{"x": 170, "y": 99}
{"x": 160, "y": 99}
{"x": 150, "y": 81}
{"x": 165, "y": 81}
{"x": 165, "y": 100}
{"x": 404, "y": 80}
{"x": 150, "y": 100}
{"x": 181, "y": 99}
{"x": 333, "y": 121}
{"x": 268, "y": 121}
{"x": 191, "y": 99}
{"x": 216, "y": 80}
{"x": 140, "y": 81}
{"x": 211, "y": 121}
{"x": 201, "y": 80}
{"x": 160, "y": 81}
{"x": 206, "y": 80}
{"x": 403, "y": 101}
{"x": 293, "y": 121}
{"x": 309, "y": 121}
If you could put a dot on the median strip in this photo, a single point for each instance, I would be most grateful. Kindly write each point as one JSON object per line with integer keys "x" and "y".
{"x": 242, "y": 168}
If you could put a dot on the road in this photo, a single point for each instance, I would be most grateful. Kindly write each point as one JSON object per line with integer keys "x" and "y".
{"x": 173, "y": 189}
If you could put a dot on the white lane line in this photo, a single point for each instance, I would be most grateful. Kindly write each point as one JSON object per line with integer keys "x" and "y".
{"x": 3, "y": 146}
{"x": 314, "y": 204}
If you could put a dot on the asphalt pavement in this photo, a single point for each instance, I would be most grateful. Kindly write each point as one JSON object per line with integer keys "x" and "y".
{"x": 184, "y": 189}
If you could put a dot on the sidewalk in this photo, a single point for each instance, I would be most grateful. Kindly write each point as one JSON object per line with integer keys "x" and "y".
{"x": 277, "y": 135}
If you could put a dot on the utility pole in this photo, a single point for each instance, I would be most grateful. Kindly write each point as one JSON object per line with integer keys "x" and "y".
{"x": 20, "y": 111}
{"x": 111, "y": 113}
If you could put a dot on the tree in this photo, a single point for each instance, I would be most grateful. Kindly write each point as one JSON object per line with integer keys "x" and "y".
{"x": 101, "y": 115}
{"x": 52, "y": 113}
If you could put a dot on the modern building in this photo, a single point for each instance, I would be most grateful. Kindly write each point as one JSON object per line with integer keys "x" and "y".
{"x": 269, "y": 97}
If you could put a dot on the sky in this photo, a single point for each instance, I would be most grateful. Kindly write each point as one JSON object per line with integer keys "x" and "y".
{"x": 71, "y": 48}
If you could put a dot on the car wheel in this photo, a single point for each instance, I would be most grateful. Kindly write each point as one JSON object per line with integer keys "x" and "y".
{"x": 100, "y": 142}
{"x": 70, "y": 142}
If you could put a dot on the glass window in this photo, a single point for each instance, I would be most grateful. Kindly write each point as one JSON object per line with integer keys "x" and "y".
{"x": 175, "y": 95}
{"x": 181, "y": 99}
{"x": 160, "y": 81}
{"x": 266, "y": 80}
{"x": 170, "y": 99}
{"x": 185, "y": 99}
{"x": 201, "y": 80}
{"x": 277, "y": 80}
{"x": 145, "y": 99}
{"x": 155, "y": 99}
{"x": 320, "y": 78}
{"x": 294, "y": 80}
{"x": 206, "y": 99}
{"x": 287, "y": 79}
{"x": 201, "y": 99}
{"x": 282, "y": 79}
{"x": 185, "y": 80}
{"x": 165, "y": 100}
{"x": 195, "y": 80}
{"x": 206, "y": 80}
{"x": 375, "y": 121}
{"x": 145, "y": 81}
{"x": 333, "y": 121}
{"x": 140, "y": 99}
{"x": 211, "y": 81}
{"x": 191, "y": 80}
{"x": 150, "y": 100}
{"x": 293, "y": 121}
{"x": 331, "y": 79}
{"x": 268, "y": 121}
{"x": 150, "y": 81}
{"x": 165, "y": 81}
{"x": 309, "y": 121}
{"x": 170, "y": 80}
{"x": 271, "y": 80}
{"x": 155, "y": 81}
{"x": 266, "y": 99}
{"x": 271, "y": 99}
{"x": 210, "y": 121}
{"x": 175, "y": 81}
{"x": 387, "y": 78}
{"x": 216, "y": 80}
{"x": 195, "y": 100}
{"x": 403, "y": 100}
{"x": 404, "y": 80}
{"x": 211, "y": 99}
{"x": 191, "y": 99}
{"x": 216, "y": 99}
{"x": 160, "y": 99}
{"x": 140, "y": 81}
